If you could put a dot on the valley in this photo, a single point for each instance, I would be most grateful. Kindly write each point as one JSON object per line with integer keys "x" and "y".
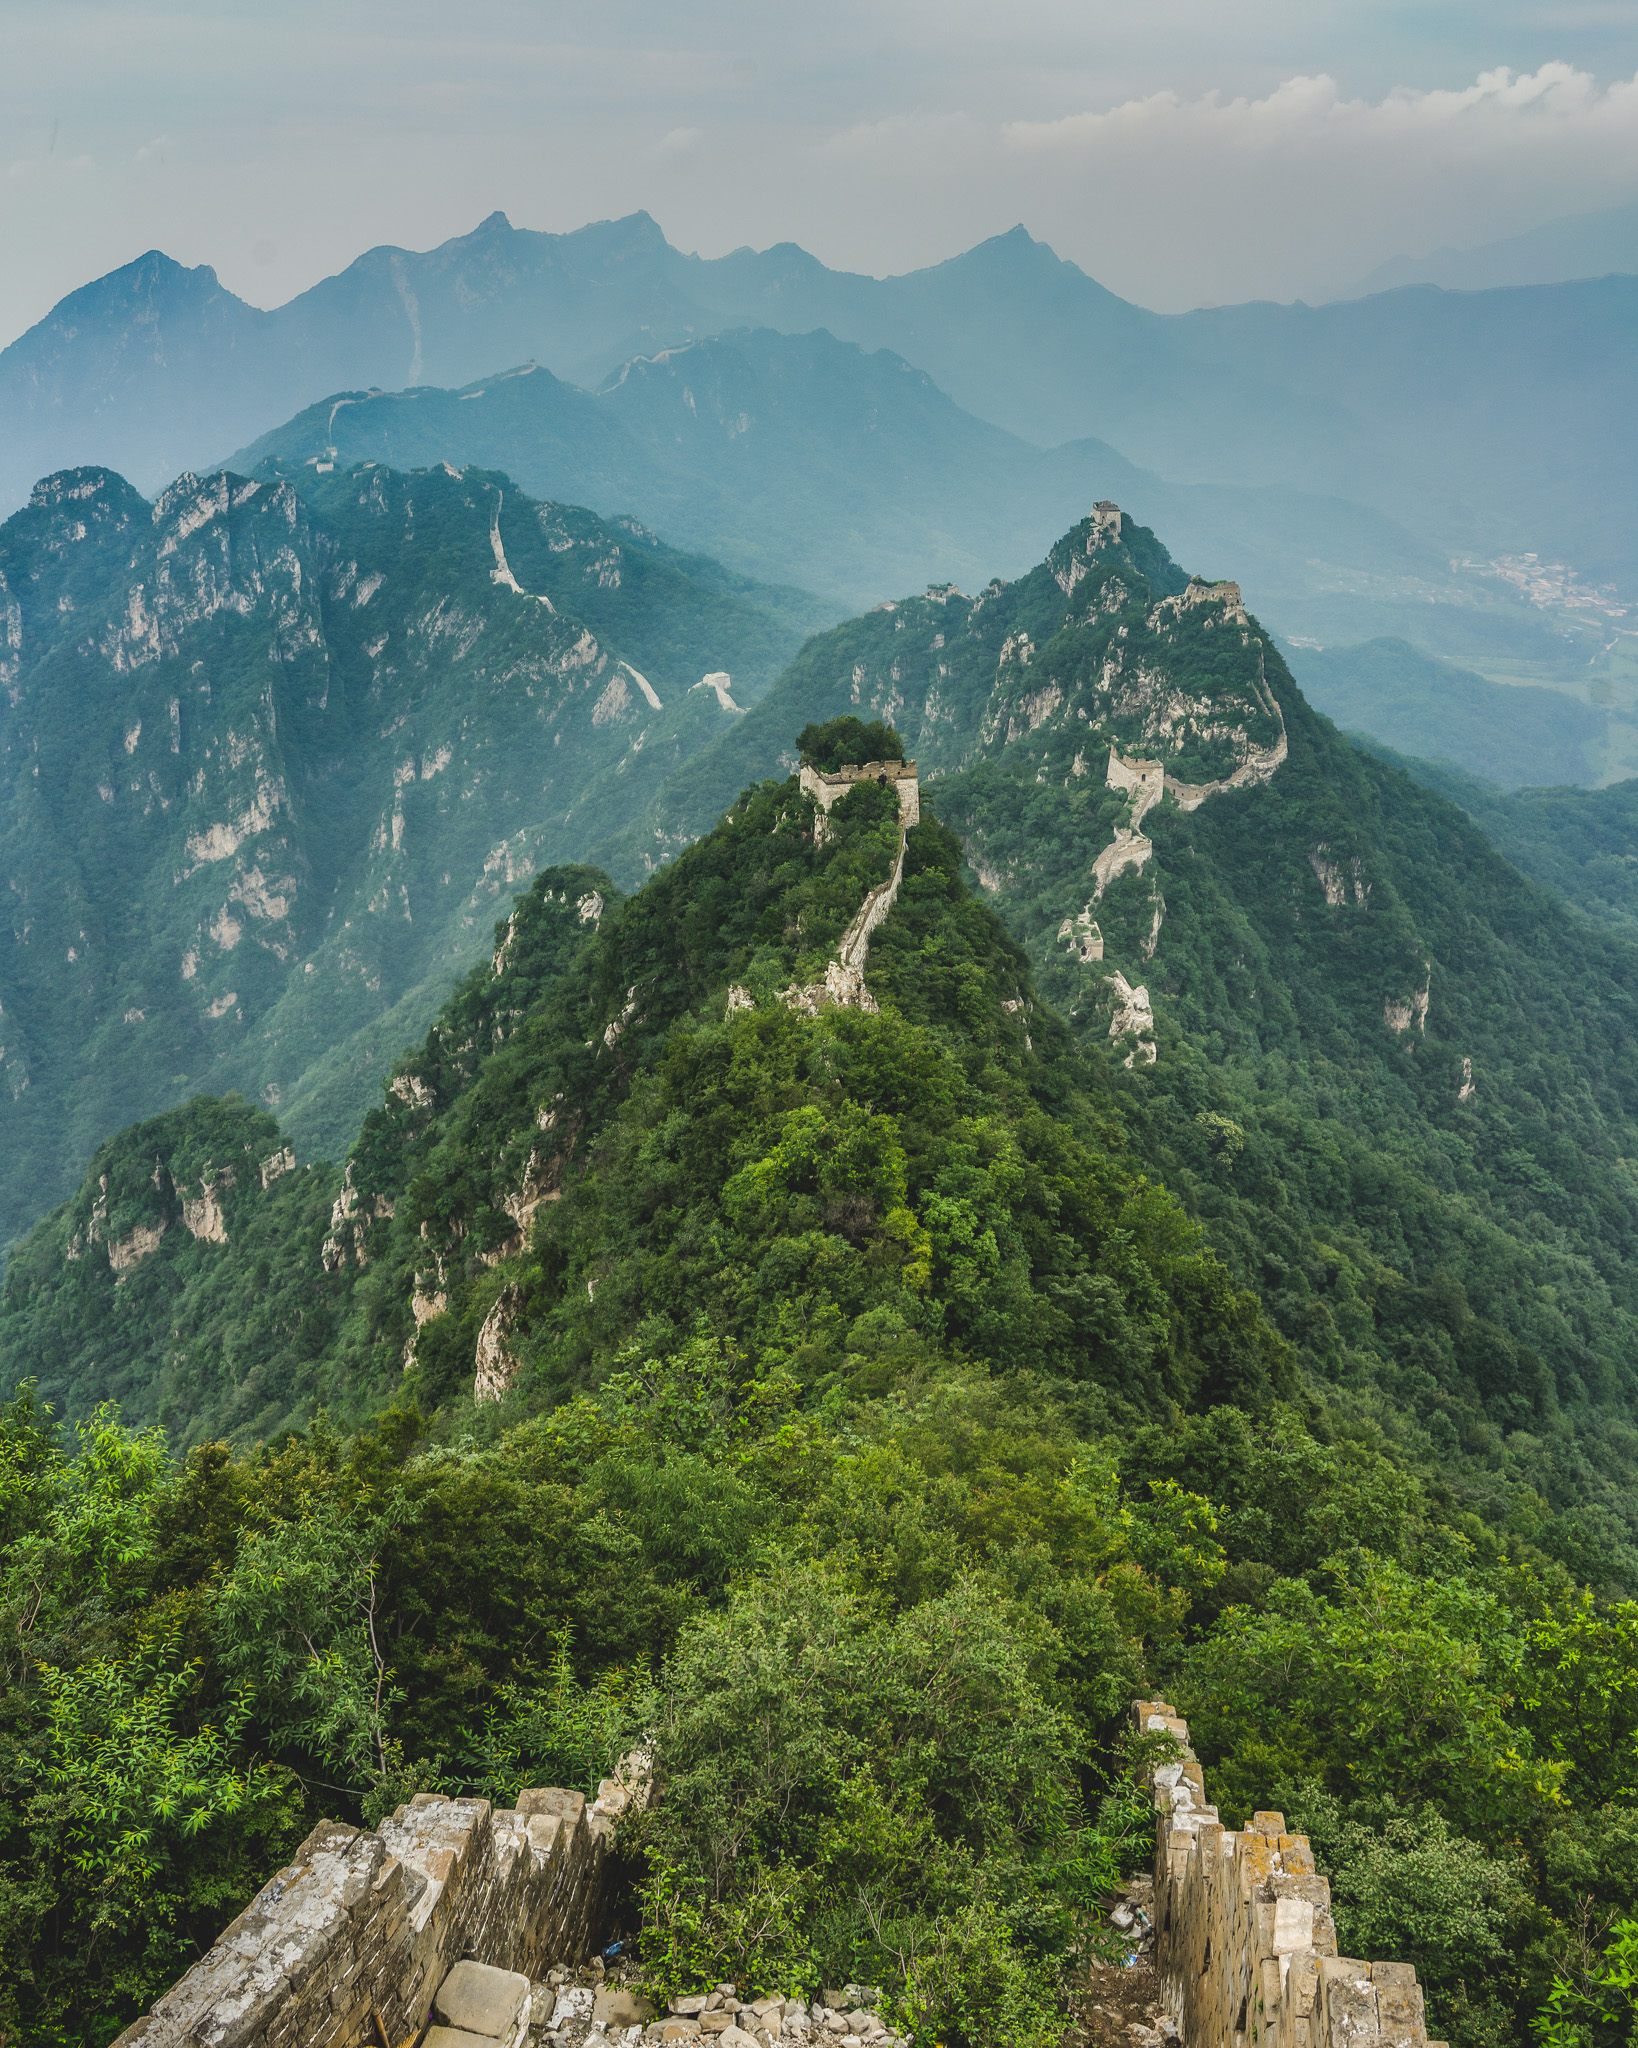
{"x": 954, "y": 1166}
{"x": 963, "y": 1237}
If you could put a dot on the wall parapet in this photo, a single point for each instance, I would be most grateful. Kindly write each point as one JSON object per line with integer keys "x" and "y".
{"x": 827, "y": 785}
{"x": 1245, "y": 1945}
{"x": 363, "y": 1922}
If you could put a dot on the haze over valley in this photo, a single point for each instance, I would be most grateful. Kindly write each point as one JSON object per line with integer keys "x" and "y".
{"x": 819, "y": 1026}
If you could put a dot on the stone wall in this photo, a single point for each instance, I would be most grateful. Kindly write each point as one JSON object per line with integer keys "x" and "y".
{"x": 827, "y": 786}
{"x": 375, "y": 1921}
{"x": 1246, "y": 1950}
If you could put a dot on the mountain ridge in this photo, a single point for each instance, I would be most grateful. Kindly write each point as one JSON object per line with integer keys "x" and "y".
{"x": 800, "y": 456}
{"x": 1267, "y": 951}
{"x": 1350, "y": 398}
{"x": 266, "y": 760}
{"x": 1192, "y": 1232}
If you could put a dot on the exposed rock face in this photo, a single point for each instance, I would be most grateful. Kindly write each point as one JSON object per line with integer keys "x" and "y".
{"x": 1134, "y": 1017}
{"x": 1343, "y": 881}
{"x": 132, "y": 1250}
{"x": 496, "y": 1365}
{"x": 276, "y": 1165}
{"x": 350, "y": 1221}
{"x": 202, "y": 1213}
{"x": 331, "y": 730}
{"x": 1400, "y": 1013}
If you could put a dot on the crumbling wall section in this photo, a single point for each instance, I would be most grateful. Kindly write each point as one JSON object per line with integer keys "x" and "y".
{"x": 1246, "y": 1950}
{"x": 363, "y": 1923}
{"x": 826, "y": 786}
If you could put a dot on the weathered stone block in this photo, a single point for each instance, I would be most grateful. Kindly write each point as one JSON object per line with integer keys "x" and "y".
{"x": 481, "y": 1999}
{"x": 1349, "y": 2002}
{"x": 1399, "y": 2007}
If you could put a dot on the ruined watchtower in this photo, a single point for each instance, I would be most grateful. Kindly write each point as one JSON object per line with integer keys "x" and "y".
{"x": 826, "y": 785}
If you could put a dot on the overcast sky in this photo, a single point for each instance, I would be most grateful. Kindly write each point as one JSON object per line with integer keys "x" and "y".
{"x": 1184, "y": 152}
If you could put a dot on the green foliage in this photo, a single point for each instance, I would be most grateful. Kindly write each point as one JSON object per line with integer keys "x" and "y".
{"x": 149, "y": 1808}
{"x": 1578, "y": 842}
{"x": 295, "y": 1622}
{"x": 1602, "y": 2010}
{"x": 1453, "y": 1272}
{"x": 841, "y": 741}
{"x": 186, "y": 1336}
{"x": 1410, "y": 1888}
{"x": 889, "y": 1394}
{"x": 1390, "y": 1685}
{"x": 554, "y": 1730}
{"x": 912, "y": 1769}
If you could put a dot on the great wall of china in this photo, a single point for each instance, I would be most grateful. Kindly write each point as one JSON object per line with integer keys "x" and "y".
{"x": 366, "y": 1935}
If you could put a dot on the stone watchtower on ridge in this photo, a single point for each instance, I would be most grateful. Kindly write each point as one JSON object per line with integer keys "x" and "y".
{"x": 827, "y": 785}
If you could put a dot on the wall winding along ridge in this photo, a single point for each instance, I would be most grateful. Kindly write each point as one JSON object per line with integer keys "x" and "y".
{"x": 1246, "y": 1950}
{"x": 378, "y": 1920}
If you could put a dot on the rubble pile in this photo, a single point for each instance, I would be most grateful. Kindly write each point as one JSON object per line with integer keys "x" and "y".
{"x": 597, "y": 2004}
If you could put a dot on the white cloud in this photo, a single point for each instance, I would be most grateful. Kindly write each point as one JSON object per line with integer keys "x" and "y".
{"x": 1181, "y": 152}
{"x": 1177, "y": 200}
{"x": 1314, "y": 186}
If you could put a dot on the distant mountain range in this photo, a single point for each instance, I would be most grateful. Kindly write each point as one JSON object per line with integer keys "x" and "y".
{"x": 271, "y": 764}
{"x": 805, "y": 459}
{"x": 1479, "y": 424}
{"x": 1508, "y": 735}
{"x": 1557, "y": 252}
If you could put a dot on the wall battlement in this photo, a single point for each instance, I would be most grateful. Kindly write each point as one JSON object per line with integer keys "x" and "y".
{"x": 360, "y": 1921}
{"x": 1245, "y": 1948}
{"x": 826, "y": 785}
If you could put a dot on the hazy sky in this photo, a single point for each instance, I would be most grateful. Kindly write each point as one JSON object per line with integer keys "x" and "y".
{"x": 1182, "y": 151}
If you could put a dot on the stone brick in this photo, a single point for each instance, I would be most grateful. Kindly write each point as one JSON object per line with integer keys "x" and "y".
{"x": 357, "y": 1920}
{"x": 1400, "y": 2018}
{"x": 1245, "y": 1941}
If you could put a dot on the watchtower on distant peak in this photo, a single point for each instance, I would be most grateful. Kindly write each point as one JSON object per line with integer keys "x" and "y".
{"x": 826, "y": 785}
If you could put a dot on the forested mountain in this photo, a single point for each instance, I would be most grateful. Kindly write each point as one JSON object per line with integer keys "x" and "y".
{"x": 269, "y": 761}
{"x": 1429, "y": 709}
{"x": 1481, "y": 425}
{"x": 854, "y": 1340}
{"x": 1583, "y": 843}
{"x": 800, "y": 1365}
{"x": 1335, "y": 964}
{"x": 802, "y": 457}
